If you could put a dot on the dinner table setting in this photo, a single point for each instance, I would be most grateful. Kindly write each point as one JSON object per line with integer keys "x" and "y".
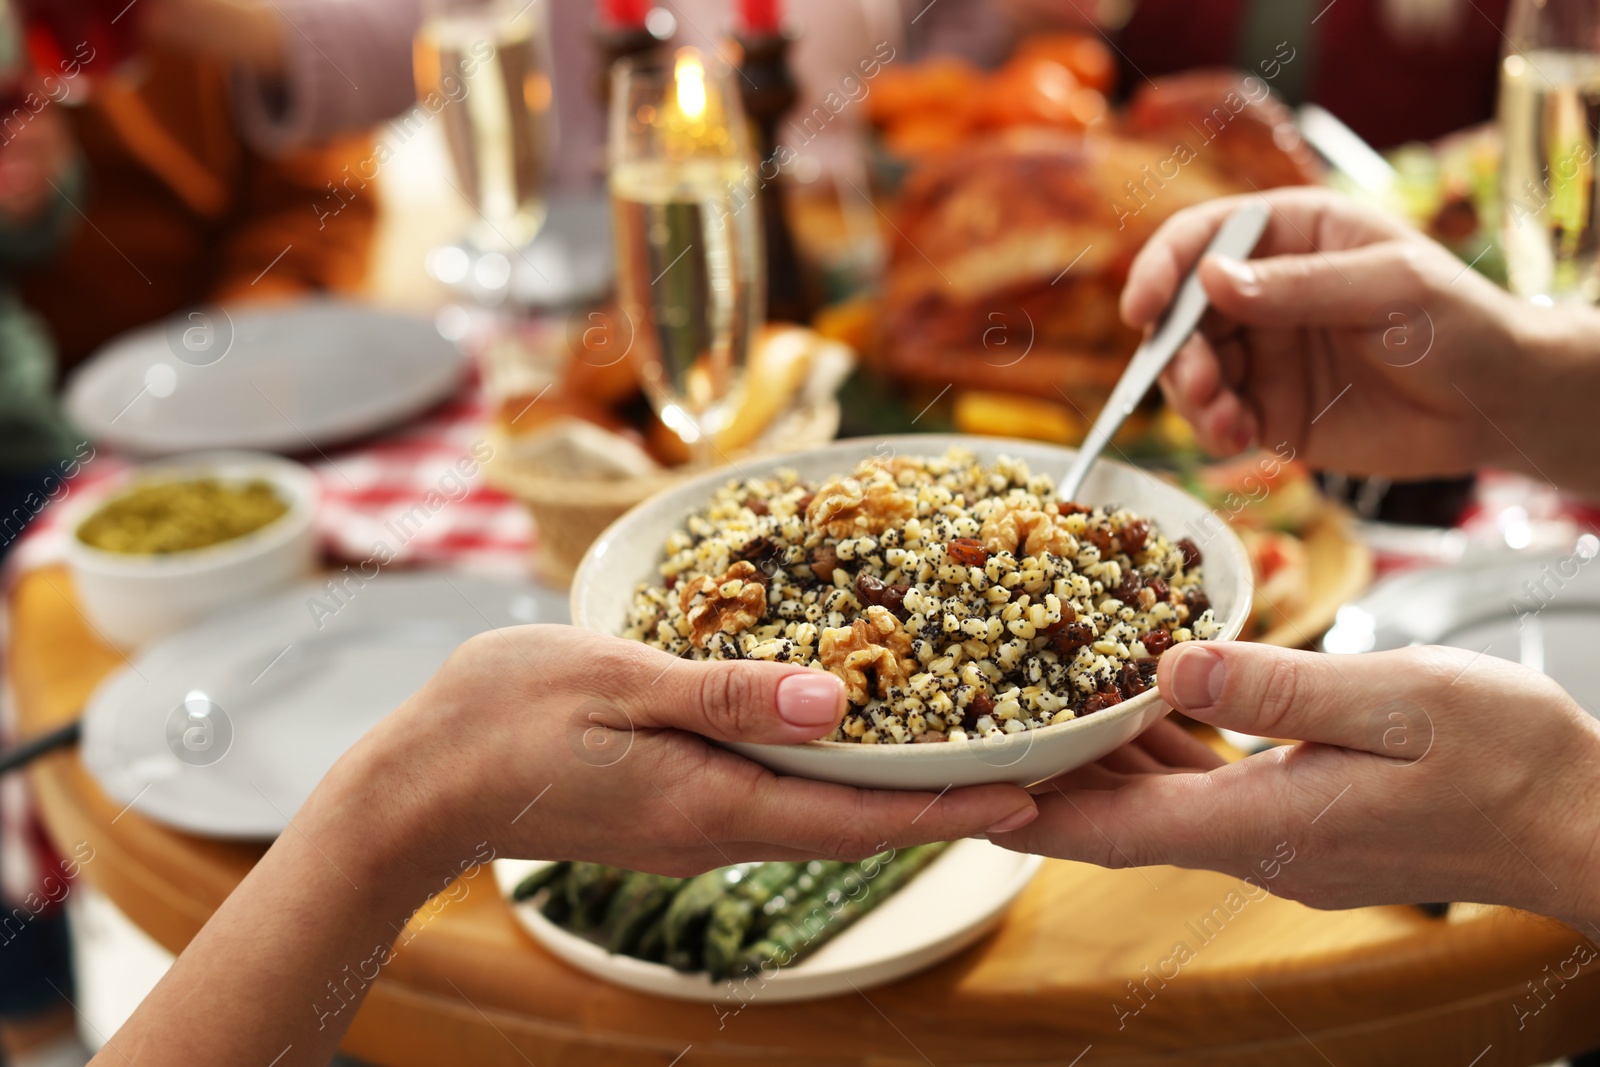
{"x": 820, "y": 369}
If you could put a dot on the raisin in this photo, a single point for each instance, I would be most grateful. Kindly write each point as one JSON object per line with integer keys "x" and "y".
{"x": 967, "y": 551}
{"x": 1156, "y": 641}
{"x": 672, "y": 581}
{"x": 1159, "y": 587}
{"x": 1131, "y": 683}
{"x": 1067, "y": 507}
{"x": 869, "y": 589}
{"x": 824, "y": 561}
{"x": 1197, "y": 603}
{"x": 1191, "y": 553}
{"x": 1072, "y": 637}
{"x": 803, "y": 505}
{"x": 982, "y": 704}
{"x": 1133, "y": 536}
{"x": 1127, "y": 590}
{"x": 755, "y": 550}
{"x": 873, "y": 592}
{"x": 1100, "y": 538}
{"x": 1069, "y": 615}
{"x": 1102, "y": 699}
{"x": 758, "y": 506}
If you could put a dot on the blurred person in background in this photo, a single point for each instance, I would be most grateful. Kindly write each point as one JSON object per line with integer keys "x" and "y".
{"x": 192, "y": 173}
{"x": 205, "y": 157}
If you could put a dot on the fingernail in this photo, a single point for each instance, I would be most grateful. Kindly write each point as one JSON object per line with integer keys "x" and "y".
{"x": 1240, "y": 273}
{"x": 1197, "y": 679}
{"x": 809, "y": 699}
{"x": 1016, "y": 820}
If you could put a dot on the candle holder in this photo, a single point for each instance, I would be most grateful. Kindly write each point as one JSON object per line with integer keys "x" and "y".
{"x": 626, "y": 28}
{"x": 769, "y": 90}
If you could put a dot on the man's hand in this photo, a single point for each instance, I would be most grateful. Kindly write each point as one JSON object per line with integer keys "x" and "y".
{"x": 1362, "y": 343}
{"x": 1423, "y": 774}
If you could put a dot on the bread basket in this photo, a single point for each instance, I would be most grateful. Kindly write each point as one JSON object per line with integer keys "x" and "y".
{"x": 571, "y": 509}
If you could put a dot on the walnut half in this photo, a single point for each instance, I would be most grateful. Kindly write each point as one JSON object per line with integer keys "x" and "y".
{"x": 1024, "y": 531}
{"x": 848, "y": 507}
{"x": 876, "y": 643}
{"x": 728, "y": 604}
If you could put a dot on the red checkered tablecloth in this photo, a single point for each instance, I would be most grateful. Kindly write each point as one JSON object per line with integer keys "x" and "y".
{"x": 401, "y": 494}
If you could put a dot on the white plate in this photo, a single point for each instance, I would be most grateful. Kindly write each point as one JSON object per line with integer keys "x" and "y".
{"x": 959, "y": 898}
{"x": 225, "y": 729}
{"x": 1538, "y": 609}
{"x": 282, "y": 378}
{"x": 629, "y": 552}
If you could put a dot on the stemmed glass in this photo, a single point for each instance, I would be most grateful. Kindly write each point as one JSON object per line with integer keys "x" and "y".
{"x": 485, "y": 65}
{"x": 1550, "y": 126}
{"x": 690, "y": 276}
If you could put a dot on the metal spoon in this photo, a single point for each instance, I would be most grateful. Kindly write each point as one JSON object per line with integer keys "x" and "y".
{"x": 1236, "y": 238}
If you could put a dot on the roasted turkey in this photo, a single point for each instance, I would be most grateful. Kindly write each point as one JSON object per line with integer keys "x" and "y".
{"x": 1008, "y": 255}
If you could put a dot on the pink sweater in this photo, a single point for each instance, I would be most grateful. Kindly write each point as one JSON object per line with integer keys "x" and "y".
{"x": 347, "y": 67}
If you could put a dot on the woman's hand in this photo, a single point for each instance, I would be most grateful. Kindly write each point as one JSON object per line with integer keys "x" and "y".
{"x": 1426, "y": 774}
{"x": 553, "y": 742}
{"x": 1366, "y": 346}
{"x": 541, "y": 742}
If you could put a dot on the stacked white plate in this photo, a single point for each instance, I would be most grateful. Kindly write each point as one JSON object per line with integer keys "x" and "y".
{"x": 226, "y": 728}
{"x": 278, "y": 378}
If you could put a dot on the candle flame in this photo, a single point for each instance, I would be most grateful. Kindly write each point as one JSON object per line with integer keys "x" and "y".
{"x": 690, "y": 76}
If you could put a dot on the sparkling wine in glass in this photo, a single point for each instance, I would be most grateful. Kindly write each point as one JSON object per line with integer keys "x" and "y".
{"x": 1550, "y": 126}
{"x": 488, "y": 63}
{"x": 688, "y": 236}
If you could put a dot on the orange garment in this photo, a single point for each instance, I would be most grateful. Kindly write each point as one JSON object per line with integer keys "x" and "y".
{"x": 179, "y": 212}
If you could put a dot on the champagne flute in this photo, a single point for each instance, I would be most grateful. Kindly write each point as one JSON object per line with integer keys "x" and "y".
{"x": 488, "y": 63}
{"x": 690, "y": 275}
{"x": 1550, "y": 126}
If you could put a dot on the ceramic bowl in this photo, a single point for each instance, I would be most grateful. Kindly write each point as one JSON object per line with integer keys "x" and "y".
{"x": 630, "y": 550}
{"x": 132, "y": 600}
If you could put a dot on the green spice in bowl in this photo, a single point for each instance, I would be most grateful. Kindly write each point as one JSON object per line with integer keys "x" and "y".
{"x": 180, "y": 516}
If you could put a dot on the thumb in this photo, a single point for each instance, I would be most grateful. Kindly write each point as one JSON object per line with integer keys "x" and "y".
{"x": 1338, "y": 288}
{"x": 742, "y": 700}
{"x": 1299, "y": 696}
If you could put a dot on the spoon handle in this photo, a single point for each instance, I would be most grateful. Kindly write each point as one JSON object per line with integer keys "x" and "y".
{"x": 1236, "y": 238}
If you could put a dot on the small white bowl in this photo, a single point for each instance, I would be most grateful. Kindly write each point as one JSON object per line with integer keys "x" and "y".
{"x": 630, "y": 550}
{"x": 133, "y": 600}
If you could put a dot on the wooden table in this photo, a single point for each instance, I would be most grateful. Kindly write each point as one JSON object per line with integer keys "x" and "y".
{"x": 1276, "y": 983}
